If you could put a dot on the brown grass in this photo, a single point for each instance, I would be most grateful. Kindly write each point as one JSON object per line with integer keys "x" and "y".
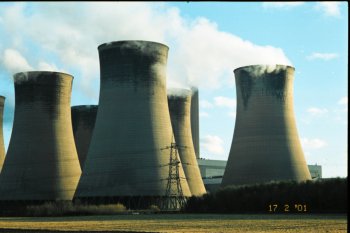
{"x": 185, "y": 223}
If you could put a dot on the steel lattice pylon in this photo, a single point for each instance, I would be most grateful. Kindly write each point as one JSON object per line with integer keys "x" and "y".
{"x": 174, "y": 198}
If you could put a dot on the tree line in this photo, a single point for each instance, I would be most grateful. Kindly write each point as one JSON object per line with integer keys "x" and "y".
{"x": 313, "y": 196}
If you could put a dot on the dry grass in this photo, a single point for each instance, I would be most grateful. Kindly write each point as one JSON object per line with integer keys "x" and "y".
{"x": 184, "y": 223}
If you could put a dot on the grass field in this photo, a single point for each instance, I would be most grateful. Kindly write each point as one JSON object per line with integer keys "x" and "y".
{"x": 181, "y": 223}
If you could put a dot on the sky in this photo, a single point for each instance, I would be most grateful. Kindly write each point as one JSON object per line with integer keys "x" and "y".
{"x": 207, "y": 41}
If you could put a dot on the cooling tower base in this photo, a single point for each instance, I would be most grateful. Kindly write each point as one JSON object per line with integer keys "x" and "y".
{"x": 136, "y": 202}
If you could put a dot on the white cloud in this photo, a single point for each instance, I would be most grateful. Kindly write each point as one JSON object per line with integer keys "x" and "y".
{"x": 281, "y": 4}
{"x": 213, "y": 144}
{"x": 207, "y": 56}
{"x": 14, "y": 62}
{"x": 329, "y": 8}
{"x": 232, "y": 114}
{"x": 200, "y": 54}
{"x": 343, "y": 108}
{"x": 313, "y": 143}
{"x": 222, "y": 101}
{"x": 343, "y": 101}
{"x": 204, "y": 114}
{"x": 317, "y": 111}
{"x": 205, "y": 104}
{"x": 322, "y": 56}
{"x": 43, "y": 66}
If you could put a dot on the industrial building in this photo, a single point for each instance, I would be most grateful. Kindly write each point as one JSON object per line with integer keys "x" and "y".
{"x": 83, "y": 122}
{"x": 265, "y": 144}
{"x": 179, "y": 101}
{"x": 315, "y": 171}
{"x": 2, "y": 147}
{"x": 213, "y": 170}
{"x": 128, "y": 159}
{"x": 41, "y": 163}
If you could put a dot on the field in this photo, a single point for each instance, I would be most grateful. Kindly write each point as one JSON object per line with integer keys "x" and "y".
{"x": 180, "y": 223}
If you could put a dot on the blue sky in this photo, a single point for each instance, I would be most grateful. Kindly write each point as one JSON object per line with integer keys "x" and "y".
{"x": 207, "y": 41}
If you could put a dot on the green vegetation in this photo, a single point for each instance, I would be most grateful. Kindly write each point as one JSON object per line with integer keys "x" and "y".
{"x": 321, "y": 196}
{"x": 154, "y": 208}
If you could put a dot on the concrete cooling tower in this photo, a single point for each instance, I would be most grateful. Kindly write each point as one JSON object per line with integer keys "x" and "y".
{"x": 265, "y": 144}
{"x": 179, "y": 101}
{"x": 41, "y": 163}
{"x": 128, "y": 158}
{"x": 2, "y": 147}
{"x": 195, "y": 120}
{"x": 83, "y": 120}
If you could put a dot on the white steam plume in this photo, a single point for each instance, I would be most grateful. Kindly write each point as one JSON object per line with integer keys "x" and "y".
{"x": 200, "y": 54}
{"x": 258, "y": 70}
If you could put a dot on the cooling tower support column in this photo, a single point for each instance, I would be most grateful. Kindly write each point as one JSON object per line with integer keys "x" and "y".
{"x": 195, "y": 121}
{"x": 179, "y": 106}
{"x": 42, "y": 162}
{"x": 265, "y": 143}
{"x": 83, "y": 120}
{"x": 2, "y": 147}
{"x": 126, "y": 161}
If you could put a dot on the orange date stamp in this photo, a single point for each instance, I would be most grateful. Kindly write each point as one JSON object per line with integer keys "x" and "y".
{"x": 295, "y": 208}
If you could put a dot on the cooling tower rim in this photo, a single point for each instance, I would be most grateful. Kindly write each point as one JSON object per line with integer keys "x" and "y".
{"x": 85, "y": 106}
{"x": 116, "y": 43}
{"x": 33, "y": 75}
{"x": 194, "y": 88}
{"x": 43, "y": 72}
{"x": 257, "y": 65}
{"x": 178, "y": 92}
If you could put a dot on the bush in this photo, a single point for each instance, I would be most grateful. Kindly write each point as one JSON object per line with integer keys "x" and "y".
{"x": 154, "y": 208}
{"x": 67, "y": 208}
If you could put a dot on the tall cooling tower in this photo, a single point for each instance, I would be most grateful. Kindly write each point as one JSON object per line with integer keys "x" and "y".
{"x": 128, "y": 158}
{"x": 41, "y": 162}
{"x": 2, "y": 147}
{"x": 83, "y": 120}
{"x": 179, "y": 101}
{"x": 265, "y": 144}
{"x": 195, "y": 120}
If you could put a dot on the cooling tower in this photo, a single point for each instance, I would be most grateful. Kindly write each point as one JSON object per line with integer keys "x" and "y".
{"x": 41, "y": 162}
{"x": 83, "y": 121}
{"x": 195, "y": 120}
{"x": 2, "y": 147}
{"x": 179, "y": 101}
{"x": 265, "y": 144}
{"x": 129, "y": 151}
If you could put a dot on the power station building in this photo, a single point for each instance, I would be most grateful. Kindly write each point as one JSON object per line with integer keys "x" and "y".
{"x": 83, "y": 122}
{"x": 179, "y": 101}
{"x": 128, "y": 159}
{"x": 41, "y": 163}
{"x": 2, "y": 147}
{"x": 265, "y": 144}
{"x": 213, "y": 170}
